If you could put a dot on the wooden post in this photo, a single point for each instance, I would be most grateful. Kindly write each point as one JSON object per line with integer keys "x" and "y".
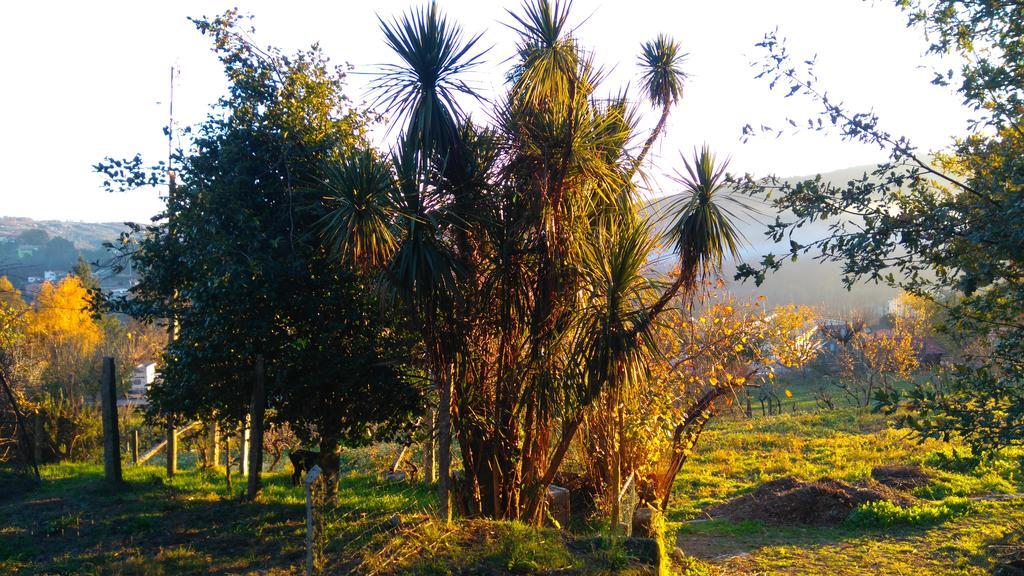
{"x": 111, "y": 437}
{"x": 257, "y": 408}
{"x": 243, "y": 451}
{"x": 135, "y": 446}
{"x": 37, "y": 437}
{"x": 213, "y": 439}
{"x": 227, "y": 463}
{"x": 172, "y": 451}
{"x": 308, "y": 481}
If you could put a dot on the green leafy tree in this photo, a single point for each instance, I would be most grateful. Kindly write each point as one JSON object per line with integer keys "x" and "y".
{"x": 239, "y": 264}
{"x": 939, "y": 225}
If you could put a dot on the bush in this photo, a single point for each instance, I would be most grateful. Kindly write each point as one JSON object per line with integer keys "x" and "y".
{"x": 71, "y": 429}
{"x": 953, "y": 461}
{"x": 882, "y": 513}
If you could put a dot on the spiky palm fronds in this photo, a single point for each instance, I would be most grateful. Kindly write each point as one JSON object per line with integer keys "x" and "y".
{"x": 423, "y": 271}
{"x": 662, "y": 76}
{"x": 662, "y": 80}
{"x": 423, "y": 89}
{"x": 360, "y": 189}
{"x": 613, "y": 339}
{"x": 549, "y": 60}
{"x": 703, "y": 232}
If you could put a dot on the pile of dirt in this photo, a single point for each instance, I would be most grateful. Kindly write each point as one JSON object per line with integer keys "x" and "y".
{"x": 789, "y": 501}
{"x": 900, "y": 477}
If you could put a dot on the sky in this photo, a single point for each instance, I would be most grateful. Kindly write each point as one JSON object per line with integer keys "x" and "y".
{"x": 85, "y": 80}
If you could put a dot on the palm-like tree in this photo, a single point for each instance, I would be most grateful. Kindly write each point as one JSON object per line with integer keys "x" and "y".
{"x": 702, "y": 233}
{"x": 663, "y": 77}
{"x": 517, "y": 248}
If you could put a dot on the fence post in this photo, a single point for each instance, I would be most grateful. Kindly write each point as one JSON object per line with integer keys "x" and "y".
{"x": 243, "y": 444}
{"x": 214, "y": 443}
{"x": 37, "y": 437}
{"x": 312, "y": 560}
{"x": 135, "y": 446}
{"x": 111, "y": 438}
{"x": 172, "y": 451}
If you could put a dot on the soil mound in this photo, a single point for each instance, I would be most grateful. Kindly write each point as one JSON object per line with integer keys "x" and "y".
{"x": 900, "y": 477}
{"x": 789, "y": 501}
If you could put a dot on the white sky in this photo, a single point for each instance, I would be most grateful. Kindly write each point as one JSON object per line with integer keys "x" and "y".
{"x": 82, "y": 80}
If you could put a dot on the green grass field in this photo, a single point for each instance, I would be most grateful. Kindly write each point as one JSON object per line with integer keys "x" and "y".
{"x": 74, "y": 524}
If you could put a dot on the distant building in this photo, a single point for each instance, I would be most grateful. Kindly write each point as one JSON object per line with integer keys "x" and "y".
{"x": 26, "y": 250}
{"x": 34, "y": 280}
{"x": 53, "y": 276}
{"x": 142, "y": 377}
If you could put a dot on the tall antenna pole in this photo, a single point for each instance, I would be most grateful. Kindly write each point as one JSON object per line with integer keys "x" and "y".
{"x": 172, "y": 436}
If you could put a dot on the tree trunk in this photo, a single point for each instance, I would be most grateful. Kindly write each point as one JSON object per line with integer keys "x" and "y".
{"x": 330, "y": 464}
{"x": 444, "y": 447}
{"x": 650, "y": 141}
{"x": 257, "y": 410}
{"x": 617, "y": 465}
{"x": 227, "y": 463}
{"x": 533, "y": 503}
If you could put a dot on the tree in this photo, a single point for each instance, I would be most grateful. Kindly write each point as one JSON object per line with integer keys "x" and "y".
{"x": 264, "y": 318}
{"x": 663, "y": 83}
{"x": 84, "y": 272}
{"x": 62, "y": 324}
{"x": 934, "y": 226}
{"x": 34, "y": 237}
{"x": 515, "y": 248}
{"x": 14, "y": 436}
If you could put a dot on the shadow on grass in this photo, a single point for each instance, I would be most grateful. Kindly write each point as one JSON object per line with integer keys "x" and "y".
{"x": 77, "y": 523}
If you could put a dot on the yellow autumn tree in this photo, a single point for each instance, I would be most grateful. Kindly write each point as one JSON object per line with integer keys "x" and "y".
{"x": 62, "y": 325}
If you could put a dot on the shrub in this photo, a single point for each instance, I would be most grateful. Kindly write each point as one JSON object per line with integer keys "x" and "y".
{"x": 71, "y": 429}
{"x": 953, "y": 461}
{"x": 882, "y": 513}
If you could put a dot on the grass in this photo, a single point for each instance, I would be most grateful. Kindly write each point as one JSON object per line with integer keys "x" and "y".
{"x": 968, "y": 506}
{"x": 74, "y": 524}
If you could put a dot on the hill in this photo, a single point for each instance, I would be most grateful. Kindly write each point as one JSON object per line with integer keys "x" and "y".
{"x": 84, "y": 235}
{"x": 806, "y": 281}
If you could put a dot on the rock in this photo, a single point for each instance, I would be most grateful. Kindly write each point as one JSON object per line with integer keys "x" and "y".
{"x": 647, "y": 523}
{"x": 395, "y": 477}
{"x": 646, "y": 550}
{"x": 393, "y": 523}
{"x": 558, "y": 506}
